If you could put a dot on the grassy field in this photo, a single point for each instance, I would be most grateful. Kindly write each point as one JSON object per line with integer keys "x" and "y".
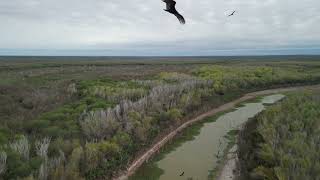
{"x": 86, "y": 118}
{"x": 283, "y": 141}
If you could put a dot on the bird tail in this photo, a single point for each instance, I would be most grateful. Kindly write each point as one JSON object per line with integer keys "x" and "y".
{"x": 181, "y": 18}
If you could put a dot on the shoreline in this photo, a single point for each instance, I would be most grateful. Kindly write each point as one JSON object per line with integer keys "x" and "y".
{"x": 230, "y": 169}
{"x": 227, "y": 106}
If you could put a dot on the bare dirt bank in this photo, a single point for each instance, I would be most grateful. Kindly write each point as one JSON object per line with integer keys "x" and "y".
{"x": 230, "y": 169}
{"x": 156, "y": 147}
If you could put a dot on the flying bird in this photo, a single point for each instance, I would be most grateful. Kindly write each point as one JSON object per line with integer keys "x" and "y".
{"x": 172, "y": 9}
{"x": 232, "y": 13}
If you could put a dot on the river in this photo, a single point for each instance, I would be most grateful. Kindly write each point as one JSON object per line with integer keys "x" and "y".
{"x": 196, "y": 152}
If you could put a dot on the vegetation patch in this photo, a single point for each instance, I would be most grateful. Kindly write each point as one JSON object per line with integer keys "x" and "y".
{"x": 89, "y": 119}
{"x": 282, "y": 142}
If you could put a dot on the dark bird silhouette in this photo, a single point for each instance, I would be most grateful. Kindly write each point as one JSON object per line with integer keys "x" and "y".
{"x": 182, "y": 174}
{"x": 171, "y": 8}
{"x": 232, "y": 13}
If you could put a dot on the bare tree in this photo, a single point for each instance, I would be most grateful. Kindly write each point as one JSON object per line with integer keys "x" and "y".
{"x": 100, "y": 124}
{"x": 42, "y": 151}
{"x": 42, "y": 147}
{"x": 3, "y": 162}
{"x": 22, "y": 147}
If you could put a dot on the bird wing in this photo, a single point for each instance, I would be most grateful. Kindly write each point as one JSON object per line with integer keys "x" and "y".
{"x": 170, "y": 3}
{"x": 180, "y": 17}
{"x": 171, "y": 7}
{"x": 232, "y": 13}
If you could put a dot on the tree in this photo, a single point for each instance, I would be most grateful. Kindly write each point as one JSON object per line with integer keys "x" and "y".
{"x": 3, "y": 162}
{"x": 22, "y": 147}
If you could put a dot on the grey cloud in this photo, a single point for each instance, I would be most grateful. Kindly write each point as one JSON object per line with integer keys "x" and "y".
{"x": 140, "y": 24}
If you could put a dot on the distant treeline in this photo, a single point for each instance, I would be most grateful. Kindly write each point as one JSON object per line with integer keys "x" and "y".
{"x": 283, "y": 142}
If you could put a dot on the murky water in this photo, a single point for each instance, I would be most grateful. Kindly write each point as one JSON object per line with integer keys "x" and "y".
{"x": 197, "y": 156}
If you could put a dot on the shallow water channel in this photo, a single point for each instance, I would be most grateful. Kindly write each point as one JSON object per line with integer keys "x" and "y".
{"x": 196, "y": 151}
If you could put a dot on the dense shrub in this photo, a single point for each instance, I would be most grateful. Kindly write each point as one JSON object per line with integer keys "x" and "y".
{"x": 236, "y": 77}
{"x": 283, "y": 141}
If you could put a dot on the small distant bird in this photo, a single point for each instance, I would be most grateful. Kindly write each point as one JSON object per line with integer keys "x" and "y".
{"x": 232, "y": 13}
{"x": 182, "y": 173}
{"x": 171, "y": 8}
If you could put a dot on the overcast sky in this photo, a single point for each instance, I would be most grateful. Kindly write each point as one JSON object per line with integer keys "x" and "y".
{"x": 141, "y": 27}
